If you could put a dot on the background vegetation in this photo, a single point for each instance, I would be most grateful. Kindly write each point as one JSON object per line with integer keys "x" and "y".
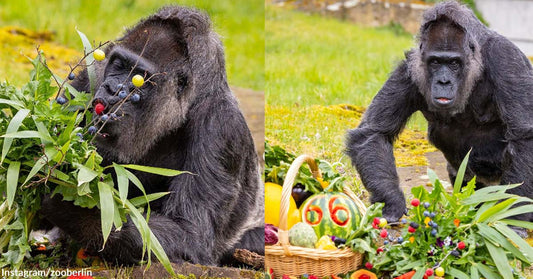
{"x": 240, "y": 24}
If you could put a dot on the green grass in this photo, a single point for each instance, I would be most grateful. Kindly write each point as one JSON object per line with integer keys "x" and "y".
{"x": 240, "y": 23}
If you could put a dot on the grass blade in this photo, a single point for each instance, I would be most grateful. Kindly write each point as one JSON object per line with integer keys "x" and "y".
{"x": 13, "y": 126}
{"x": 12, "y": 182}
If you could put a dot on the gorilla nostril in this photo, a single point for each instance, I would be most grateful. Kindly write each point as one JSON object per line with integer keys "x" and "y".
{"x": 444, "y": 82}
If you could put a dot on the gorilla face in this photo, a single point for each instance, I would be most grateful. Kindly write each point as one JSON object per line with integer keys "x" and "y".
{"x": 164, "y": 98}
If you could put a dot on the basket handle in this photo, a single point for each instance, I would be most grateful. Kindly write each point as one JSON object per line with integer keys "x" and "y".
{"x": 287, "y": 191}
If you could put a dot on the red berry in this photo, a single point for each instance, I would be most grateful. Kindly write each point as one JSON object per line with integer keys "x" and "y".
{"x": 313, "y": 277}
{"x": 99, "y": 108}
{"x": 383, "y": 233}
{"x": 375, "y": 221}
{"x": 285, "y": 276}
{"x": 415, "y": 202}
{"x": 429, "y": 272}
{"x": 375, "y": 226}
{"x": 379, "y": 250}
{"x": 369, "y": 265}
{"x": 411, "y": 229}
{"x": 461, "y": 245}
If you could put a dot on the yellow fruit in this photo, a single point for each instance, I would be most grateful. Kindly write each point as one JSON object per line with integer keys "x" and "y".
{"x": 99, "y": 55}
{"x": 325, "y": 243}
{"x": 272, "y": 205}
{"x": 439, "y": 271}
{"x": 137, "y": 80}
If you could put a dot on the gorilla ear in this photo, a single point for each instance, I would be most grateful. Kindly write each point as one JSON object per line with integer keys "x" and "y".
{"x": 190, "y": 22}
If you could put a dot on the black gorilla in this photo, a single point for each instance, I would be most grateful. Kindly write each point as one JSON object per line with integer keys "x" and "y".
{"x": 186, "y": 119}
{"x": 474, "y": 87}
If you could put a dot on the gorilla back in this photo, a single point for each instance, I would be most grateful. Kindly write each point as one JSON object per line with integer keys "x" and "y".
{"x": 186, "y": 119}
{"x": 475, "y": 89}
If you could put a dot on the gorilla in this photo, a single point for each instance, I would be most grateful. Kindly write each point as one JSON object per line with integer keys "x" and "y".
{"x": 475, "y": 89}
{"x": 186, "y": 119}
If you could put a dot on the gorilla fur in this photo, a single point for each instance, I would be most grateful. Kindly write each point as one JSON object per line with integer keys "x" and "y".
{"x": 474, "y": 87}
{"x": 187, "y": 119}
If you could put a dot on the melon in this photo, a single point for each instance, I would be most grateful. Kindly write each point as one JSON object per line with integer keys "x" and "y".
{"x": 331, "y": 213}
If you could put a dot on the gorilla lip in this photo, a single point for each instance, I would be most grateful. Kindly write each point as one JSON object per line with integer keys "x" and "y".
{"x": 443, "y": 101}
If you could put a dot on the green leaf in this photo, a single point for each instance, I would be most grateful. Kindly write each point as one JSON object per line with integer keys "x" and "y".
{"x": 37, "y": 167}
{"x": 142, "y": 200}
{"x": 499, "y": 240}
{"x": 12, "y": 182}
{"x": 480, "y": 198}
{"x": 43, "y": 132}
{"x": 500, "y": 259}
{"x": 16, "y": 104}
{"x": 85, "y": 174}
{"x": 513, "y": 212}
{"x": 122, "y": 180}
{"x": 502, "y": 206}
{"x": 107, "y": 209}
{"x": 13, "y": 126}
{"x": 519, "y": 223}
{"x": 89, "y": 60}
{"x": 487, "y": 272}
{"x": 117, "y": 220}
{"x": 135, "y": 181}
{"x": 154, "y": 170}
{"x": 84, "y": 189}
{"x": 21, "y": 135}
{"x": 456, "y": 273}
{"x": 460, "y": 174}
{"x": 518, "y": 241}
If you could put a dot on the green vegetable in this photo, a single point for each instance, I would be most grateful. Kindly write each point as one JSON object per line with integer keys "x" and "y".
{"x": 302, "y": 235}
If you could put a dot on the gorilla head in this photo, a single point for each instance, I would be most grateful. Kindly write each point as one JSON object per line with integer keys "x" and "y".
{"x": 159, "y": 48}
{"x": 447, "y": 64}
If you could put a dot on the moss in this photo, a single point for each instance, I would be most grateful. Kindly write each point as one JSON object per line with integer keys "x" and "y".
{"x": 18, "y": 44}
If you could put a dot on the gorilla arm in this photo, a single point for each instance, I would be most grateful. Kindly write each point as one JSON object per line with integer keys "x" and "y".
{"x": 370, "y": 145}
{"x": 512, "y": 76}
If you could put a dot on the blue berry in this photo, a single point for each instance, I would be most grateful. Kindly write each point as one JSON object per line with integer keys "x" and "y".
{"x": 432, "y": 215}
{"x": 404, "y": 221}
{"x": 426, "y": 213}
{"x": 113, "y": 116}
{"x": 385, "y": 242}
{"x": 434, "y": 232}
{"x": 105, "y": 117}
{"x": 414, "y": 225}
{"x": 435, "y": 225}
{"x": 121, "y": 86}
{"x": 430, "y": 223}
{"x": 122, "y": 94}
{"x": 400, "y": 239}
{"x": 455, "y": 253}
{"x": 92, "y": 130}
{"x": 135, "y": 98}
{"x": 426, "y": 204}
{"x": 79, "y": 135}
{"x": 71, "y": 76}
{"x": 61, "y": 100}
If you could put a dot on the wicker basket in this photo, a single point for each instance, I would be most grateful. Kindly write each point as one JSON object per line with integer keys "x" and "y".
{"x": 292, "y": 260}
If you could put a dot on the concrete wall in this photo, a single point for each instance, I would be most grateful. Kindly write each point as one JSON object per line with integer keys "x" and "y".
{"x": 511, "y": 18}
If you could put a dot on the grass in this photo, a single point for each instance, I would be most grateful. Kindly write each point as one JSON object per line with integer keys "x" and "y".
{"x": 240, "y": 24}
{"x": 316, "y": 63}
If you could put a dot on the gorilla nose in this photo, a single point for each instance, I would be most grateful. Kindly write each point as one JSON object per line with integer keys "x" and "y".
{"x": 444, "y": 82}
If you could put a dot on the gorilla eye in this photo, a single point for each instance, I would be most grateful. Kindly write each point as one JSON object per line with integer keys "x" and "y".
{"x": 433, "y": 62}
{"x": 454, "y": 64}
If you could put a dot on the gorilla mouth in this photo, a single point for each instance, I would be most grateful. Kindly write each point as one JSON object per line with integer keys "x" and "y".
{"x": 443, "y": 101}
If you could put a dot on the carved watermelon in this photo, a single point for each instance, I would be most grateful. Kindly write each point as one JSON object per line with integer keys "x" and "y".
{"x": 331, "y": 213}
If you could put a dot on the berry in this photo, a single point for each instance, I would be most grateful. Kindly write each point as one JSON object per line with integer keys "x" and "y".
{"x": 79, "y": 135}
{"x": 71, "y": 76}
{"x": 411, "y": 229}
{"x": 113, "y": 116}
{"x": 426, "y": 213}
{"x": 135, "y": 98}
{"x": 137, "y": 80}
{"x": 429, "y": 272}
{"x": 379, "y": 250}
{"x": 435, "y": 225}
{"x": 122, "y": 94}
{"x": 338, "y": 241}
{"x": 430, "y": 223}
{"x": 382, "y": 222}
{"x": 92, "y": 130}
{"x": 285, "y": 276}
{"x": 414, "y": 225}
{"x": 439, "y": 271}
{"x": 404, "y": 221}
{"x": 415, "y": 202}
{"x": 385, "y": 242}
{"x": 121, "y": 86}
{"x": 434, "y": 232}
{"x": 369, "y": 265}
{"x": 99, "y": 108}
{"x": 383, "y": 233}
{"x": 61, "y": 100}
{"x": 455, "y": 253}
{"x": 432, "y": 215}
{"x": 400, "y": 239}
{"x": 461, "y": 245}
{"x": 104, "y": 117}
{"x": 426, "y": 204}
{"x": 99, "y": 55}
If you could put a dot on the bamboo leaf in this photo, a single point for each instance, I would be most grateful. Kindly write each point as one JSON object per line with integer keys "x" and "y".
{"x": 89, "y": 60}
{"x": 504, "y": 205}
{"x": 500, "y": 259}
{"x": 43, "y": 132}
{"x": 13, "y": 126}
{"x": 16, "y": 104}
{"x": 122, "y": 180}
{"x": 85, "y": 174}
{"x": 480, "y": 198}
{"x": 518, "y": 241}
{"x": 37, "y": 167}
{"x": 460, "y": 175}
{"x": 107, "y": 209}
{"x": 513, "y": 212}
{"x": 154, "y": 170}
{"x": 487, "y": 272}
{"x": 12, "y": 182}
{"x": 519, "y": 223}
{"x": 21, "y": 135}
{"x": 117, "y": 220}
{"x": 499, "y": 240}
{"x": 142, "y": 200}
{"x": 455, "y": 273}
